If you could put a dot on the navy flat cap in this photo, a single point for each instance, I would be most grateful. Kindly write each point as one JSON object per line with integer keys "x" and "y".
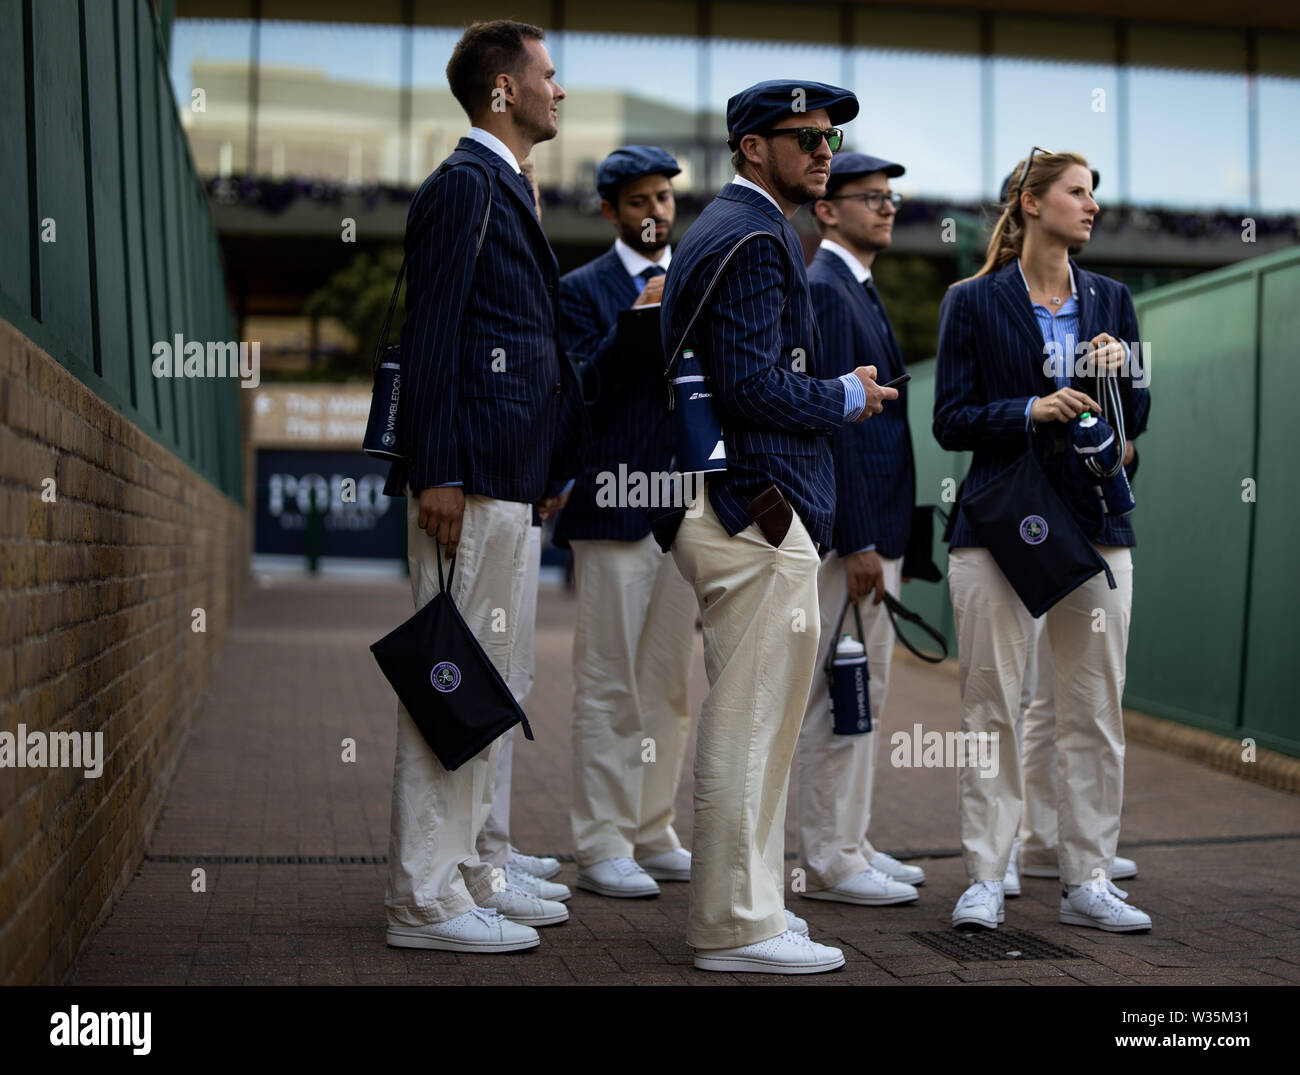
{"x": 632, "y": 162}
{"x": 761, "y": 107}
{"x": 846, "y": 166}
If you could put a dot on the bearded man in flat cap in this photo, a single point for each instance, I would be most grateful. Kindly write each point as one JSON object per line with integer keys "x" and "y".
{"x": 749, "y": 546}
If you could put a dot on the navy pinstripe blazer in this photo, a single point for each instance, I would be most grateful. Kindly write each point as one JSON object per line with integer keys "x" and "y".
{"x": 628, "y": 417}
{"x": 757, "y": 338}
{"x": 488, "y": 398}
{"x": 875, "y": 481}
{"x": 990, "y": 362}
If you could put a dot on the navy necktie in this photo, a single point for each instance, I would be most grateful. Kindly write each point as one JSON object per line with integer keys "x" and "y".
{"x": 882, "y": 320}
{"x": 649, "y": 273}
{"x": 527, "y": 185}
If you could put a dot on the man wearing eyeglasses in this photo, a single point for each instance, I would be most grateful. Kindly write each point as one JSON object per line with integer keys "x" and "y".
{"x": 874, "y": 490}
{"x": 750, "y": 548}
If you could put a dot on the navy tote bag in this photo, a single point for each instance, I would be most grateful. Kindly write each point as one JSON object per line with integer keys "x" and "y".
{"x": 448, "y": 684}
{"x": 1032, "y": 535}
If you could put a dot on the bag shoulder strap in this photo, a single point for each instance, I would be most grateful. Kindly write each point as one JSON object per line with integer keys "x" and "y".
{"x": 897, "y": 608}
{"x": 451, "y": 570}
{"x": 708, "y": 292}
{"x": 382, "y": 344}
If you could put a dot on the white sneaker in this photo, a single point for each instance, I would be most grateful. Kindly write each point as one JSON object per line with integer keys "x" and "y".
{"x": 1092, "y": 905}
{"x": 535, "y": 886}
{"x": 480, "y": 929}
{"x": 980, "y": 905}
{"x": 520, "y": 906}
{"x": 891, "y": 867}
{"x": 670, "y": 866}
{"x": 1121, "y": 869}
{"x": 618, "y": 877}
{"x": 537, "y": 865}
{"x": 795, "y": 924}
{"x": 870, "y": 888}
{"x": 1011, "y": 879}
{"x": 788, "y": 953}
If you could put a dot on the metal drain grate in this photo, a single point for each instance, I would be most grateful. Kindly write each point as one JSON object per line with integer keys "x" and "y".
{"x": 273, "y": 860}
{"x": 994, "y": 944}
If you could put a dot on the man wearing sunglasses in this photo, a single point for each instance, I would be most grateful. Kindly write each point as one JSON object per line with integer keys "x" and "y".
{"x": 749, "y": 548}
{"x": 874, "y": 489}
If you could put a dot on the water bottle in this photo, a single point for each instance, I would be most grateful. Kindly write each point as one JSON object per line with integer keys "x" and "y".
{"x": 1100, "y": 452}
{"x": 381, "y": 436}
{"x": 697, "y": 433}
{"x": 850, "y": 704}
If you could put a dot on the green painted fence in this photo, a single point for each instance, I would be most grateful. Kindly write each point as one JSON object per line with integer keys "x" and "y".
{"x": 1213, "y": 642}
{"x": 92, "y": 155}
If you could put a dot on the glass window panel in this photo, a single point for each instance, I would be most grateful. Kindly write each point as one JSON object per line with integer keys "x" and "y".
{"x": 1057, "y": 106}
{"x": 213, "y": 55}
{"x": 622, "y": 89}
{"x": 329, "y": 101}
{"x": 437, "y": 120}
{"x": 922, "y": 110}
{"x": 1279, "y": 148}
{"x": 1188, "y": 139}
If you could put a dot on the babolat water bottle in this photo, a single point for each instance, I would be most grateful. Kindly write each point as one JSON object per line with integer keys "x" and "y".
{"x": 697, "y": 433}
{"x": 850, "y": 705}
{"x": 1102, "y": 455}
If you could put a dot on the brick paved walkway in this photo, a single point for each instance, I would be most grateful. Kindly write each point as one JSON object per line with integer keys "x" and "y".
{"x": 263, "y": 776}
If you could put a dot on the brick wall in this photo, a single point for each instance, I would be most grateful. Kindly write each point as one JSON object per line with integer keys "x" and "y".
{"x": 96, "y": 603}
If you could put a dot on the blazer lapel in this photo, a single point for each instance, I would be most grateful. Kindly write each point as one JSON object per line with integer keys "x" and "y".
{"x": 1089, "y": 305}
{"x": 617, "y": 283}
{"x": 513, "y": 183}
{"x": 863, "y": 311}
{"x": 1011, "y": 293}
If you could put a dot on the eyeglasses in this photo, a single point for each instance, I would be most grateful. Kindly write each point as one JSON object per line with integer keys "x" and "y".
{"x": 874, "y": 199}
{"x": 811, "y": 137}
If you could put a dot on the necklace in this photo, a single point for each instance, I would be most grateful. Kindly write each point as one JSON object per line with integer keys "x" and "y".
{"x": 1056, "y": 301}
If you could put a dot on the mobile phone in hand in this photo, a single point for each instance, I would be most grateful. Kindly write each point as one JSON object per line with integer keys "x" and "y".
{"x": 897, "y": 381}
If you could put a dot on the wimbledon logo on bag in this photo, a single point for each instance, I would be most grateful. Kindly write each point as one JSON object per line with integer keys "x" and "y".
{"x": 1033, "y": 529}
{"x": 445, "y": 677}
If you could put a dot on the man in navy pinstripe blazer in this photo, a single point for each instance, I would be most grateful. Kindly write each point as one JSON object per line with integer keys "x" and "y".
{"x": 750, "y": 547}
{"x": 487, "y": 391}
{"x": 874, "y": 490}
{"x": 635, "y": 637}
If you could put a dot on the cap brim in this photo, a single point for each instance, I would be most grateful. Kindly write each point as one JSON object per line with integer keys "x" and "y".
{"x": 843, "y": 110}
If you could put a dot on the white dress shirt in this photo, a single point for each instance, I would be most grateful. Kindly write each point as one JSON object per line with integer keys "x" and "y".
{"x": 487, "y": 138}
{"x": 741, "y": 181}
{"x": 636, "y": 263}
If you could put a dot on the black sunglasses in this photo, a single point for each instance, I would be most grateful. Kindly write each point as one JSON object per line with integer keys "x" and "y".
{"x": 811, "y": 137}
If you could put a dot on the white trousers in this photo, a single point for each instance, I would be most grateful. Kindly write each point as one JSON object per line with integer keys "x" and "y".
{"x": 494, "y": 840}
{"x": 837, "y": 772}
{"x": 1087, "y": 633}
{"x": 761, "y": 630}
{"x": 434, "y": 870}
{"x": 632, "y": 652}
{"x": 1039, "y": 834}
